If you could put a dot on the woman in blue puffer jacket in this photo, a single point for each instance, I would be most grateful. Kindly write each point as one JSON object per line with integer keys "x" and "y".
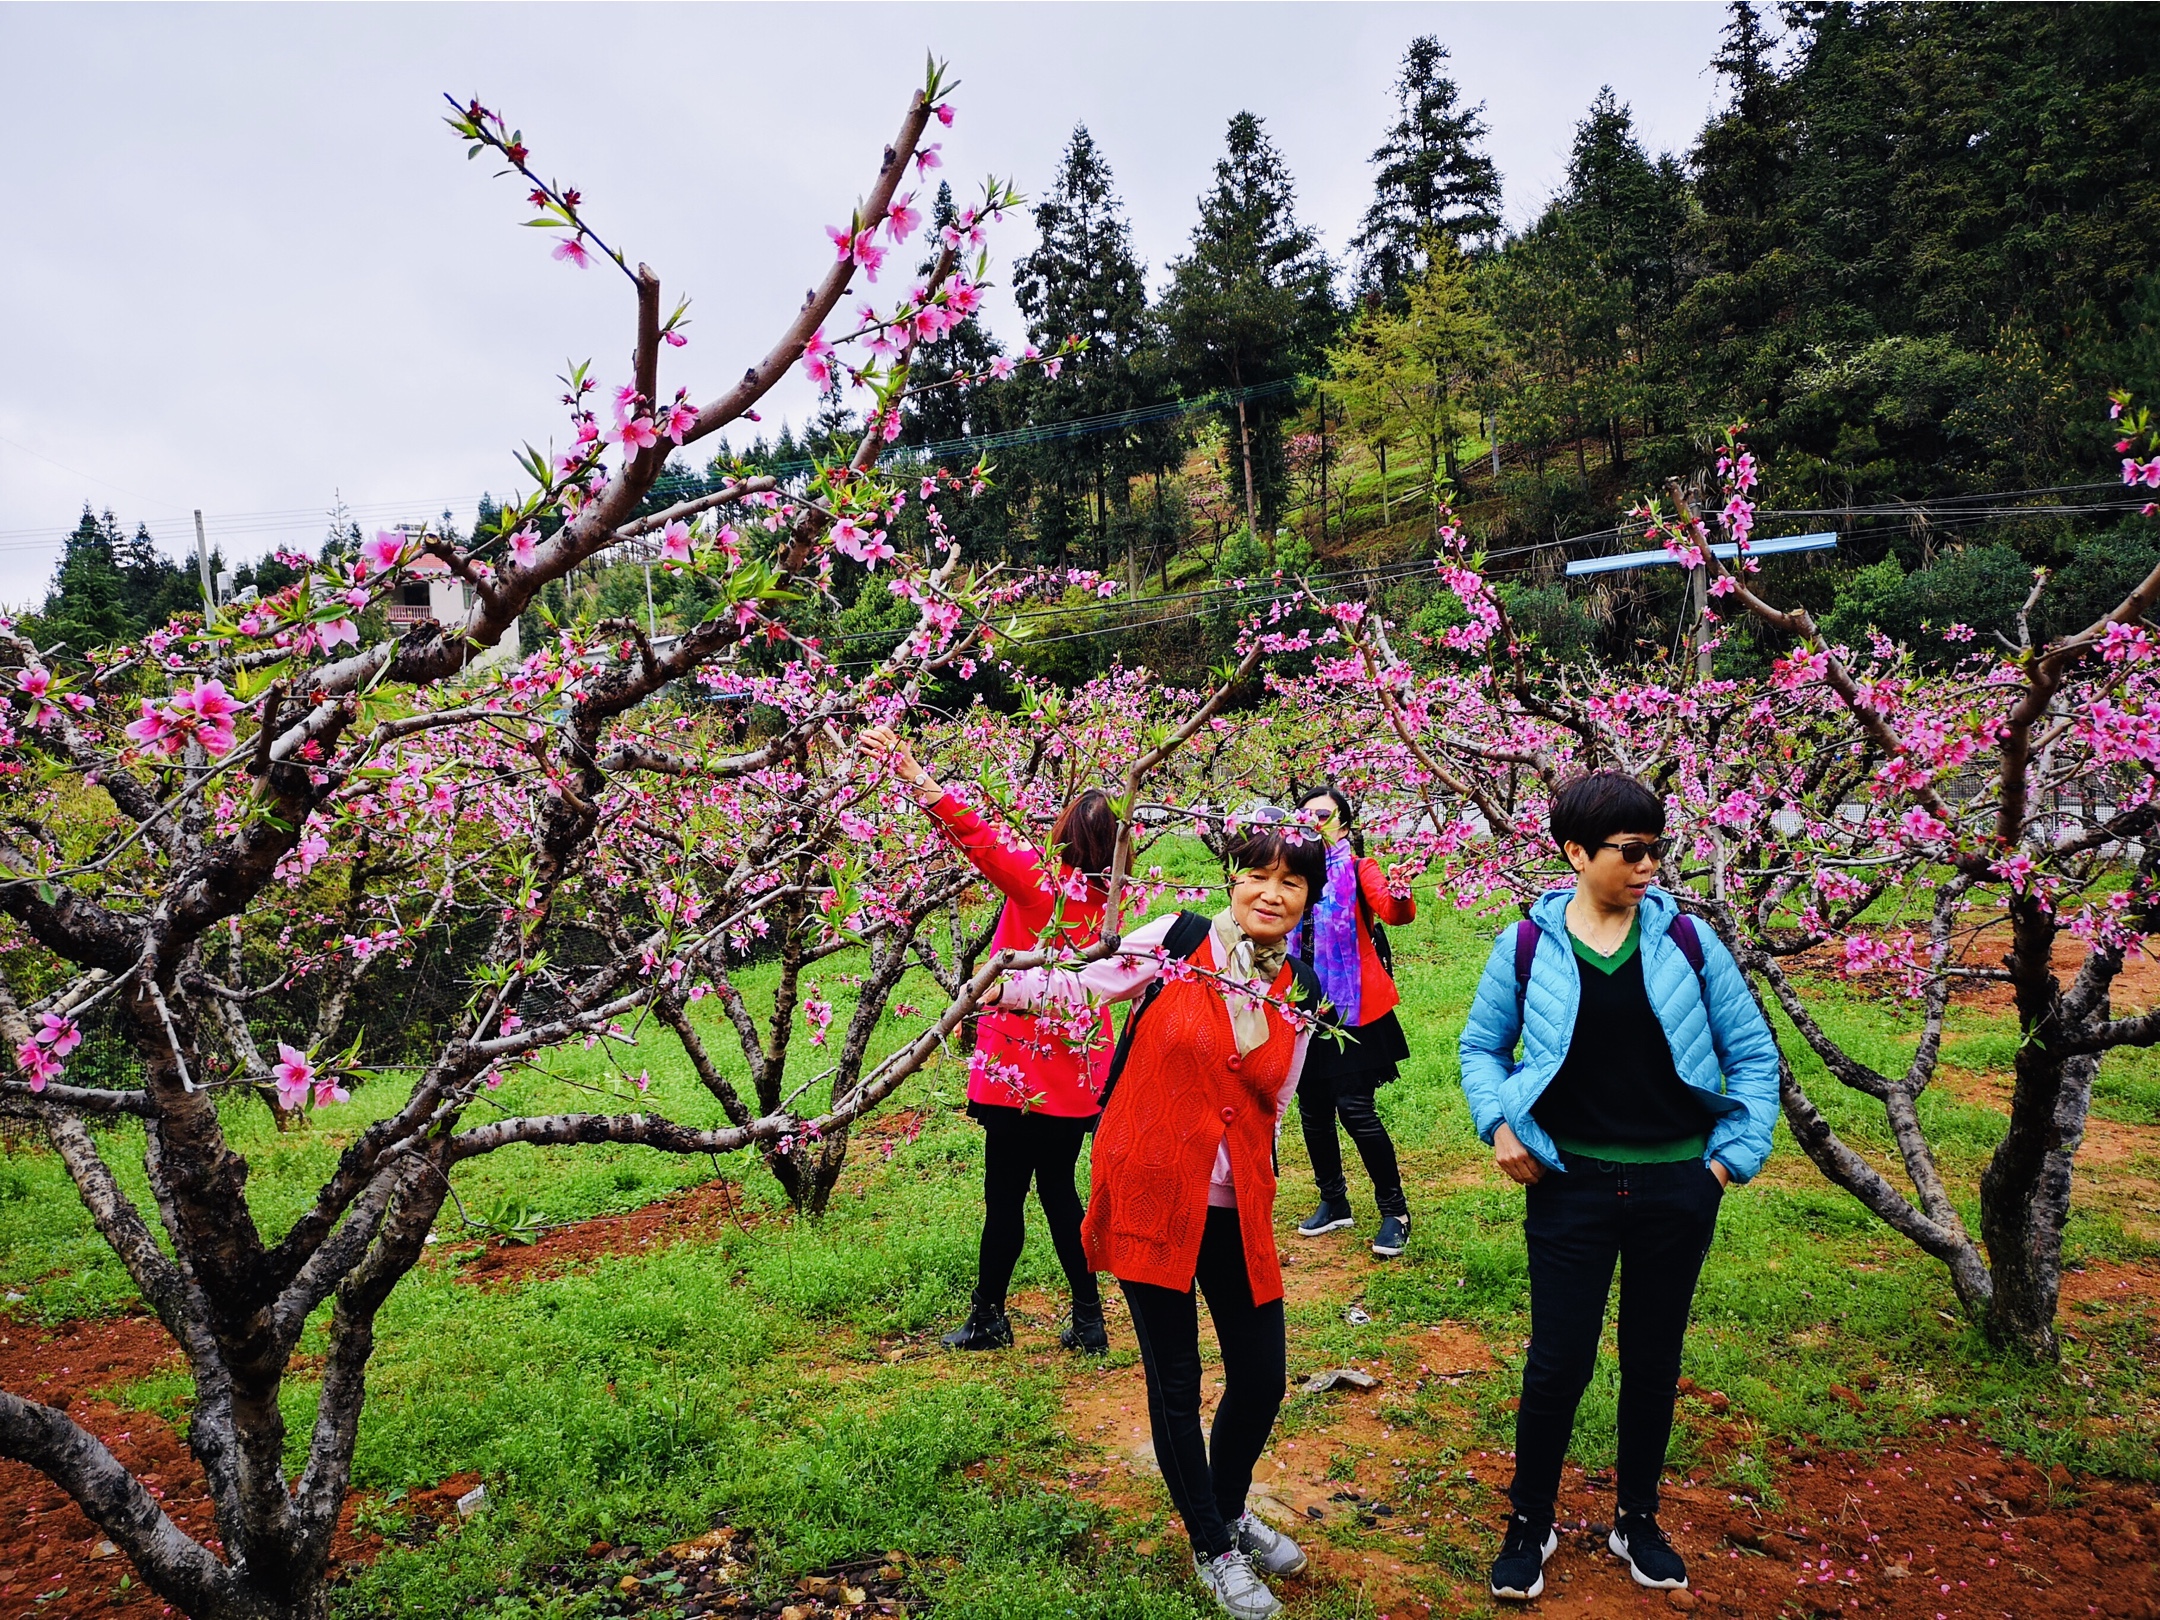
{"x": 1647, "y": 1084}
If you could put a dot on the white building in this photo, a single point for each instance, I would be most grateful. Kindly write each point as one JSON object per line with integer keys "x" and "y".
{"x": 431, "y": 591}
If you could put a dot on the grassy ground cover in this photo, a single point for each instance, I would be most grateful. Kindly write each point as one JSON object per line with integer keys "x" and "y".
{"x": 782, "y": 1376}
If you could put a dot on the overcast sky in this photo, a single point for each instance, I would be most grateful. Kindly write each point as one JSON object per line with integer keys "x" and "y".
{"x": 245, "y": 267}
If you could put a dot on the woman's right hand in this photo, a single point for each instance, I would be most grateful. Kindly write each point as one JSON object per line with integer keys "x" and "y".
{"x": 888, "y": 747}
{"x": 1516, "y": 1162}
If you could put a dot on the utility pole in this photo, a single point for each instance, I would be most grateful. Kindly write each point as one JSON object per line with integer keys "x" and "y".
{"x": 1699, "y": 596}
{"x": 202, "y": 562}
{"x": 652, "y": 625}
{"x": 1252, "y": 509}
{"x": 1323, "y": 466}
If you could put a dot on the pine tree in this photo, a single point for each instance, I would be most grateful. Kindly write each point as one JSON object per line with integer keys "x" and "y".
{"x": 1435, "y": 177}
{"x": 1630, "y": 212}
{"x": 1744, "y": 154}
{"x": 1252, "y": 305}
{"x": 1083, "y": 281}
{"x": 1408, "y": 378}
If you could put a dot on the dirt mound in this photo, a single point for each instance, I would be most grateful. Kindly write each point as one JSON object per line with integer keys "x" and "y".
{"x": 698, "y": 1212}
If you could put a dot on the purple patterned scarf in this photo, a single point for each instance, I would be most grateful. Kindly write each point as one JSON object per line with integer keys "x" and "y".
{"x": 1335, "y": 933}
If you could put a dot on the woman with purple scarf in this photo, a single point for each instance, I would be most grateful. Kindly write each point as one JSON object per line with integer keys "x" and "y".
{"x": 1338, "y": 942}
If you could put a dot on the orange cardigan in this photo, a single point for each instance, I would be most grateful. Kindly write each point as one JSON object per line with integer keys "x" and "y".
{"x": 1184, "y": 1093}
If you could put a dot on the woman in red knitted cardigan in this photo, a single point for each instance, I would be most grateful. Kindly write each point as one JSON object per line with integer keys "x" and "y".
{"x": 1183, "y": 1184}
{"x": 1033, "y": 1095}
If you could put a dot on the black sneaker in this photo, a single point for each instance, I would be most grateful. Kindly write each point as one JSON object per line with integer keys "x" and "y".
{"x": 1392, "y": 1237}
{"x": 1519, "y": 1571}
{"x": 1650, "y": 1557}
{"x": 986, "y": 1327}
{"x": 1087, "y": 1332}
{"x": 1332, "y": 1216}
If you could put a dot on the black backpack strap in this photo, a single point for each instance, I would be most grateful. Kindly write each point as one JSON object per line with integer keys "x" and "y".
{"x": 1307, "y": 985}
{"x": 1183, "y": 939}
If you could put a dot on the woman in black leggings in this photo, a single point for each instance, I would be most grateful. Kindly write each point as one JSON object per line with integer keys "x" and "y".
{"x": 1034, "y": 1096}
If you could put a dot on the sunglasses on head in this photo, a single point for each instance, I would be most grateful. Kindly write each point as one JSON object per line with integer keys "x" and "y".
{"x": 1635, "y": 851}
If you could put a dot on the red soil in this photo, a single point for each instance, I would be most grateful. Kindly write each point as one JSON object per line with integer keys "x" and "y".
{"x": 53, "y": 1562}
{"x": 1940, "y": 1526}
{"x": 702, "y": 1211}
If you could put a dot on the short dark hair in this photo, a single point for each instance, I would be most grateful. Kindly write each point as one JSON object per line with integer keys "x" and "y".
{"x": 1258, "y": 847}
{"x": 1085, "y": 834}
{"x": 1341, "y": 800}
{"x": 1593, "y": 806}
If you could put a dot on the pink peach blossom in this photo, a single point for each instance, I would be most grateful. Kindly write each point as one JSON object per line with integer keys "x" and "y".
{"x": 902, "y": 220}
{"x": 58, "y": 1032}
{"x": 386, "y": 550}
{"x": 295, "y": 1074}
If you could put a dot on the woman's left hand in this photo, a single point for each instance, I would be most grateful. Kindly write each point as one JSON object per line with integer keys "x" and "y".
{"x": 890, "y": 749}
{"x": 1724, "y": 1176}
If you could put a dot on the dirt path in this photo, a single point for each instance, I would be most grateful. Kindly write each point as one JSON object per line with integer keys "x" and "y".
{"x": 702, "y": 1211}
{"x": 1941, "y": 1526}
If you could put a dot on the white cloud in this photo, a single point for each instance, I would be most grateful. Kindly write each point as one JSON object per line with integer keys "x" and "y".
{"x": 247, "y": 268}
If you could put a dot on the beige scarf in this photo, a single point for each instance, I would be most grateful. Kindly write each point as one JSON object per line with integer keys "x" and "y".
{"x": 1244, "y": 960}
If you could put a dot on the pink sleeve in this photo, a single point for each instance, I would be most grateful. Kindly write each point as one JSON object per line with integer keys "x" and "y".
{"x": 1120, "y": 976}
{"x": 1017, "y": 873}
{"x": 1297, "y": 1073}
{"x": 1393, "y": 909}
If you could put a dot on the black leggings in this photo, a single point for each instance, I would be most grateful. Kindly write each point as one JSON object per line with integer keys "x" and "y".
{"x": 1020, "y": 1146}
{"x": 1208, "y": 1481}
{"x": 1321, "y": 1101}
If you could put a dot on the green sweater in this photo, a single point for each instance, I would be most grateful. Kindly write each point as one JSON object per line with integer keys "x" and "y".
{"x": 1687, "y": 1147}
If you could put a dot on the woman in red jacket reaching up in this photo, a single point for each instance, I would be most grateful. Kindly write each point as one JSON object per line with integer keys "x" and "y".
{"x": 1033, "y": 1095}
{"x": 1337, "y": 940}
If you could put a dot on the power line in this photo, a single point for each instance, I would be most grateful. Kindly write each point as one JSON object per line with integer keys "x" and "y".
{"x": 274, "y": 519}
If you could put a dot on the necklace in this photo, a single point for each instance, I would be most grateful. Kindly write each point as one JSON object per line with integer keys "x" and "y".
{"x": 1581, "y": 928}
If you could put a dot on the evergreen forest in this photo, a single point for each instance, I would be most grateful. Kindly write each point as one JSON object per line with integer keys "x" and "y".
{"x": 1912, "y": 250}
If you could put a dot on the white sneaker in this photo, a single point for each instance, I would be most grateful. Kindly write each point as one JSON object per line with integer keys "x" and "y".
{"x": 1267, "y": 1547}
{"x": 1242, "y": 1594}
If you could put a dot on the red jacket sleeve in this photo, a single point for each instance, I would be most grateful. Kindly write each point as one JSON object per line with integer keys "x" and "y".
{"x": 1017, "y": 873}
{"x": 1393, "y": 909}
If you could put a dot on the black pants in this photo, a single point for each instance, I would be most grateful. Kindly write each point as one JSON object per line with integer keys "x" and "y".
{"x": 1020, "y": 1146}
{"x": 1657, "y": 1220}
{"x": 1208, "y": 1481}
{"x": 1321, "y": 1101}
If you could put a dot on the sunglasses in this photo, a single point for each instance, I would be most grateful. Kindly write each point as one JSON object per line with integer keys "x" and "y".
{"x": 1634, "y": 852}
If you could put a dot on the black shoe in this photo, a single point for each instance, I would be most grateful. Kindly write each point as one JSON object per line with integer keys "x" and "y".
{"x": 1393, "y": 1235}
{"x": 1651, "y": 1559}
{"x": 1086, "y": 1332}
{"x": 986, "y": 1327}
{"x": 1332, "y": 1216}
{"x": 1519, "y": 1571}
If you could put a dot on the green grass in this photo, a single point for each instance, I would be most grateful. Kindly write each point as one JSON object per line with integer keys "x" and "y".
{"x": 739, "y": 1378}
